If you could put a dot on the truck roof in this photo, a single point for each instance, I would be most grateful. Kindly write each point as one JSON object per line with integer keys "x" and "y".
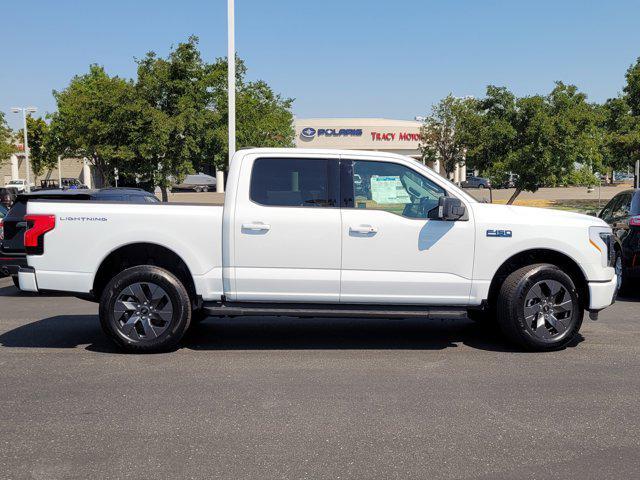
{"x": 320, "y": 151}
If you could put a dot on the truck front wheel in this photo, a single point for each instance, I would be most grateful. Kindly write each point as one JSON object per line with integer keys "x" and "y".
{"x": 145, "y": 309}
{"x": 539, "y": 309}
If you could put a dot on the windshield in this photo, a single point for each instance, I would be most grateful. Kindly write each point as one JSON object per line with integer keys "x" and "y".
{"x": 15, "y": 182}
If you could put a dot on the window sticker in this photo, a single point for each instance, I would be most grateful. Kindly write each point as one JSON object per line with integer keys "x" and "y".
{"x": 388, "y": 189}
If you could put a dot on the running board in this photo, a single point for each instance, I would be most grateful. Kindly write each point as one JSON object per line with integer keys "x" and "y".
{"x": 239, "y": 309}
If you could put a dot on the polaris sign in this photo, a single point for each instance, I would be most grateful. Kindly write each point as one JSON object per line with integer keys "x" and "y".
{"x": 310, "y": 132}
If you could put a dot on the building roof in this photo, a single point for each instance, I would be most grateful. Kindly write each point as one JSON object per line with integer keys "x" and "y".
{"x": 360, "y": 122}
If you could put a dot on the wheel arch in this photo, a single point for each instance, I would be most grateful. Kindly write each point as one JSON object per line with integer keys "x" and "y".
{"x": 142, "y": 253}
{"x": 540, "y": 255}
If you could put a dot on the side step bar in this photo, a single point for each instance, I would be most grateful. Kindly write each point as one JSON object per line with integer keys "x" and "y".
{"x": 233, "y": 309}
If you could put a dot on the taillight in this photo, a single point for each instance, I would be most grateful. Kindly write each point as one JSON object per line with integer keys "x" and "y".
{"x": 37, "y": 226}
{"x": 1, "y": 230}
{"x": 635, "y": 221}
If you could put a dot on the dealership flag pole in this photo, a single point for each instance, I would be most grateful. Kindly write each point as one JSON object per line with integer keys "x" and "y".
{"x": 231, "y": 88}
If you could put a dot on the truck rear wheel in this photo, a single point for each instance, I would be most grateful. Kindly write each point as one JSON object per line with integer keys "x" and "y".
{"x": 145, "y": 309}
{"x": 539, "y": 308}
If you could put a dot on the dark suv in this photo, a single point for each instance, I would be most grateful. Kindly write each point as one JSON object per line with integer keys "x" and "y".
{"x": 12, "y": 251}
{"x": 623, "y": 214}
{"x": 7, "y": 196}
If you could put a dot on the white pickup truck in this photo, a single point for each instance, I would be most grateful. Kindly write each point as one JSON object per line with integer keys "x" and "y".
{"x": 297, "y": 236}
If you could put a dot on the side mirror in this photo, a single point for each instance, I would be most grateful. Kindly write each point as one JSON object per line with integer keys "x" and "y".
{"x": 450, "y": 209}
{"x": 592, "y": 213}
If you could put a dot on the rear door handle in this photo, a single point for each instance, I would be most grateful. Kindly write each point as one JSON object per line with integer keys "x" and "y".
{"x": 364, "y": 229}
{"x": 256, "y": 226}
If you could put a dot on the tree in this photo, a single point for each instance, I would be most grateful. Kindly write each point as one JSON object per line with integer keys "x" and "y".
{"x": 189, "y": 99}
{"x": 622, "y": 122}
{"x": 7, "y": 146}
{"x": 177, "y": 92}
{"x": 538, "y": 138}
{"x": 94, "y": 118}
{"x": 440, "y": 137}
{"x": 170, "y": 122}
{"x": 41, "y": 151}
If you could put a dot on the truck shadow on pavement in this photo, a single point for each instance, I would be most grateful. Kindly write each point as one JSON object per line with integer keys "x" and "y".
{"x": 275, "y": 333}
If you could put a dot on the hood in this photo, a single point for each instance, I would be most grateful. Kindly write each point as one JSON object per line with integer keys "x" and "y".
{"x": 533, "y": 215}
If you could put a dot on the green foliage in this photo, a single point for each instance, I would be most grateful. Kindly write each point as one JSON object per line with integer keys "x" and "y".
{"x": 621, "y": 121}
{"x": 95, "y": 116}
{"x": 41, "y": 151}
{"x": 190, "y": 112}
{"x": 582, "y": 177}
{"x": 440, "y": 137}
{"x": 7, "y": 146}
{"x": 539, "y": 138}
{"x": 170, "y": 121}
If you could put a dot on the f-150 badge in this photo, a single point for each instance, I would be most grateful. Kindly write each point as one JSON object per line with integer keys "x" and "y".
{"x": 500, "y": 233}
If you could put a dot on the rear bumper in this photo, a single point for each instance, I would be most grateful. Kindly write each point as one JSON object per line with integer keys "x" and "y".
{"x": 27, "y": 279}
{"x": 602, "y": 294}
{"x": 10, "y": 265}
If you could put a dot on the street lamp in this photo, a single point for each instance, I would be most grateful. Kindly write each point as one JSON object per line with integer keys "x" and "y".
{"x": 24, "y": 111}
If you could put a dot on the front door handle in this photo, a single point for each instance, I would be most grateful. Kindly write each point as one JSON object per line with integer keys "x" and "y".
{"x": 256, "y": 226}
{"x": 363, "y": 229}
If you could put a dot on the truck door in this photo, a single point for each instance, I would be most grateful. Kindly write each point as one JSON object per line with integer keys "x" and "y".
{"x": 287, "y": 244}
{"x": 391, "y": 252}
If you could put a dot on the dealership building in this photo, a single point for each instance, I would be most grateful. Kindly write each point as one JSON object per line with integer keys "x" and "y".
{"x": 377, "y": 134}
{"x": 16, "y": 168}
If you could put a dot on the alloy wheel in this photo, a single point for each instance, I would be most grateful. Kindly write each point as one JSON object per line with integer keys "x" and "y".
{"x": 548, "y": 310}
{"x": 143, "y": 311}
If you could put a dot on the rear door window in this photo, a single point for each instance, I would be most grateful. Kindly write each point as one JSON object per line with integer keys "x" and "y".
{"x": 294, "y": 182}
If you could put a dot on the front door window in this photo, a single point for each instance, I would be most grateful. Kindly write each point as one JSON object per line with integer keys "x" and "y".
{"x": 394, "y": 188}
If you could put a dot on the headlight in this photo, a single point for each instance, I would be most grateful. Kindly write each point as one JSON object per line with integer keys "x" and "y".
{"x": 601, "y": 238}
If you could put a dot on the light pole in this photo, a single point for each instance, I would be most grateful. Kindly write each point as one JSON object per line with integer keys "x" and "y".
{"x": 24, "y": 111}
{"x": 231, "y": 89}
{"x": 231, "y": 77}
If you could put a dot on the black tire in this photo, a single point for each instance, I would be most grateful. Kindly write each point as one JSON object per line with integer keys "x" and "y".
{"x": 536, "y": 331}
{"x": 16, "y": 281}
{"x": 481, "y": 186}
{"x": 158, "y": 331}
{"x": 624, "y": 283}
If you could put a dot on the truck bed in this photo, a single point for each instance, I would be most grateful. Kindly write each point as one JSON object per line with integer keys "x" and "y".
{"x": 86, "y": 233}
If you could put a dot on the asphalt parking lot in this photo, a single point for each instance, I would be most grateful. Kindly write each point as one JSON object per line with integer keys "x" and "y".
{"x": 287, "y": 398}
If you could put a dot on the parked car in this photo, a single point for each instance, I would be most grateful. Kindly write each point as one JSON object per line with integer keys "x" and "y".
{"x": 8, "y": 196}
{"x": 476, "y": 182}
{"x": 200, "y": 182}
{"x": 12, "y": 248}
{"x": 294, "y": 239}
{"x": 3, "y": 213}
{"x": 67, "y": 183}
{"x": 623, "y": 214}
{"x": 19, "y": 184}
{"x": 509, "y": 181}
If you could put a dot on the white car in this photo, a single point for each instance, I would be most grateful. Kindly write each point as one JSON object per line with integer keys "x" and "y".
{"x": 19, "y": 184}
{"x": 295, "y": 238}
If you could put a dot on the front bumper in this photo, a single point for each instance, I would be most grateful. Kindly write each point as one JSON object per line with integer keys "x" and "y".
{"x": 602, "y": 294}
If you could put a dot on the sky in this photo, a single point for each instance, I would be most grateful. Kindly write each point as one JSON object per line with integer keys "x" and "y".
{"x": 349, "y": 58}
